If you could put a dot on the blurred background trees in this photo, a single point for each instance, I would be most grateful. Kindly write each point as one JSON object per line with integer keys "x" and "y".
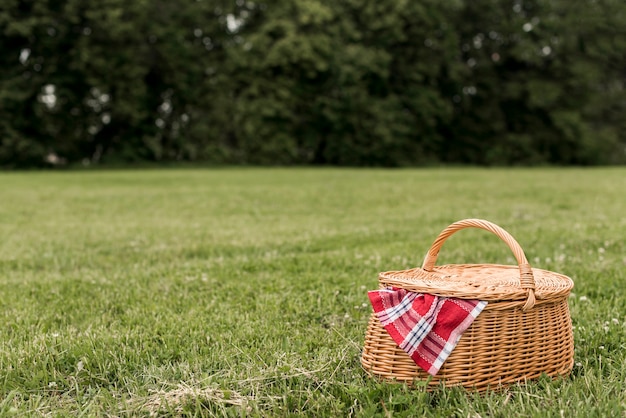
{"x": 354, "y": 82}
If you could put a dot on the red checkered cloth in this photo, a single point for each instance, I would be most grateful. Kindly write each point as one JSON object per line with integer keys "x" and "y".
{"x": 427, "y": 327}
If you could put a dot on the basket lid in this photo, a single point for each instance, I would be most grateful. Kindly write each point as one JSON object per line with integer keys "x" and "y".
{"x": 488, "y": 282}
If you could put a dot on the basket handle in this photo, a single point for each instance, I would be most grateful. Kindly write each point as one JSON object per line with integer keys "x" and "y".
{"x": 527, "y": 280}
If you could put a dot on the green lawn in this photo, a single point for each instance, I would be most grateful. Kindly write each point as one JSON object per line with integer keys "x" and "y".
{"x": 243, "y": 291}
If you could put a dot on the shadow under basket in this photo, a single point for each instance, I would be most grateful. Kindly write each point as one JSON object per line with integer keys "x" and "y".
{"x": 525, "y": 330}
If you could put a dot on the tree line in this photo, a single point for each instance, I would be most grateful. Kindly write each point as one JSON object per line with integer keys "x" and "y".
{"x": 351, "y": 82}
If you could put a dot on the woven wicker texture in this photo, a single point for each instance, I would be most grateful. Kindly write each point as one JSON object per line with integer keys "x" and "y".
{"x": 524, "y": 331}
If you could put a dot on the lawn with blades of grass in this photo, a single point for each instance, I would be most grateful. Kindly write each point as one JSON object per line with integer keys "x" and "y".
{"x": 192, "y": 292}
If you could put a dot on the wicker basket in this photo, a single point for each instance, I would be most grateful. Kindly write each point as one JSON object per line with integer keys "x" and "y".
{"x": 524, "y": 331}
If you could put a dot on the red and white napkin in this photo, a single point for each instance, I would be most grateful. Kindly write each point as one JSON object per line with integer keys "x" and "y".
{"x": 427, "y": 327}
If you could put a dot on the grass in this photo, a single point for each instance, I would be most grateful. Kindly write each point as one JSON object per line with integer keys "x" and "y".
{"x": 243, "y": 291}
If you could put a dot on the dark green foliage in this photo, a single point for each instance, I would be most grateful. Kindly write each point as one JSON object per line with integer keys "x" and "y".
{"x": 547, "y": 83}
{"x": 312, "y": 82}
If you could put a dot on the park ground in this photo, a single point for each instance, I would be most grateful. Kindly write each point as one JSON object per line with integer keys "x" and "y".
{"x": 219, "y": 292}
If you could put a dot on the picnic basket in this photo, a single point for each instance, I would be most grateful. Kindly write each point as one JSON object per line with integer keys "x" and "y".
{"x": 524, "y": 331}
